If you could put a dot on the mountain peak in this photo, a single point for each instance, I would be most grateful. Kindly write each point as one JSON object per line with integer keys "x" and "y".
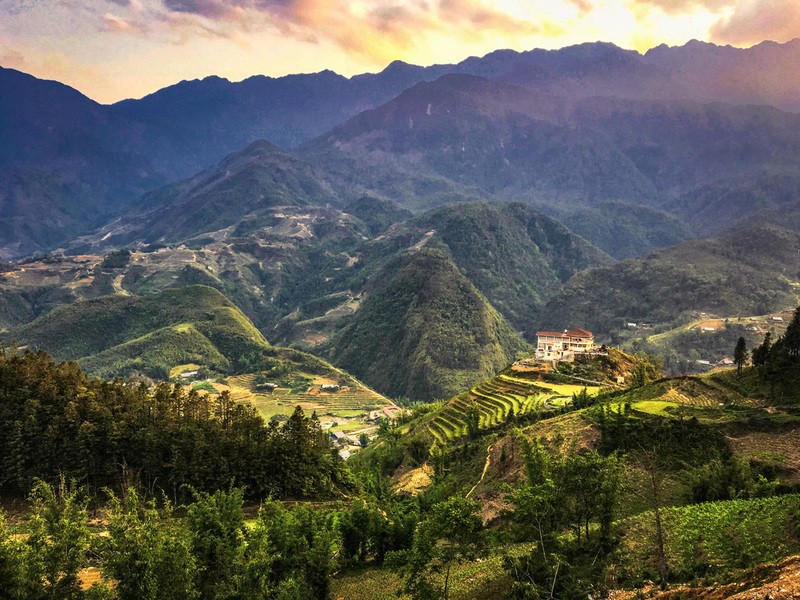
{"x": 259, "y": 147}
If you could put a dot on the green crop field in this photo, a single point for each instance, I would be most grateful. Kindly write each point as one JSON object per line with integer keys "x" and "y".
{"x": 713, "y": 536}
{"x": 498, "y": 398}
{"x": 654, "y": 407}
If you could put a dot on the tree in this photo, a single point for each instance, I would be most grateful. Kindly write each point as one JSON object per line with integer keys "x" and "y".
{"x": 302, "y": 544}
{"x": 740, "y": 354}
{"x": 58, "y": 541}
{"x": 358, "y": 528}
{"x": 650, "y": 462}
{"x": 761, "y": 353}
{"x": 451, "y": 534}
{"x": 216, "y": 527}
{"x": 473, "y": 418}
{"x": 146, "y": 553}
{"x": 791, "y": 339}
{"x": 13, "y": 566}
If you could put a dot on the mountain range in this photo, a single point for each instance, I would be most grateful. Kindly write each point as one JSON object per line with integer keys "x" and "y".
{"x": 526, "y": 126}
{"x": 454, "y": 209}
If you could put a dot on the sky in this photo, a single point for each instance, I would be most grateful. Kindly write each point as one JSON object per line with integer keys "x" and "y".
{"x": 115, "y": 49}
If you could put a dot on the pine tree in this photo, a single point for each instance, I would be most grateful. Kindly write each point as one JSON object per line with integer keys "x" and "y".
{"x": 740, "y": 354}
{"x": 791, "y": 339}
{"x": 761, "y": 353}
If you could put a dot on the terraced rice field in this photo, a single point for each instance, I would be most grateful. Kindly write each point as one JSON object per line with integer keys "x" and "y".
{"x": 494, "y": 400}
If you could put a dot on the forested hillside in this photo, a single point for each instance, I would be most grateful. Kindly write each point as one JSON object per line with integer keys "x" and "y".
{"x": 750, "y": 271}
{"x": 424, "y": 331}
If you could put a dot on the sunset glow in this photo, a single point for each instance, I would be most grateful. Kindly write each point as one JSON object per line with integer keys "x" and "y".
{"x": 113, "y": 49}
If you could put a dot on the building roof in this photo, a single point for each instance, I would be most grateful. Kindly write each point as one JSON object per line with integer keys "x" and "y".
{"x": 572, "y": 333}
{"x": 579, "y": 333}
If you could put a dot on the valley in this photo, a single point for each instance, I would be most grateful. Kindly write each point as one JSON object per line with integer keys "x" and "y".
{"x": 522, "y": 327}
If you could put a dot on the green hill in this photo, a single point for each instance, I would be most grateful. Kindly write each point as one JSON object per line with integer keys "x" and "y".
{"x": 749, "y": 271}
{"x": 516, "y": 256}
{"x": 117, "y": 335}
{"x": 423, "y": 331}
{"x": 378, "y": 214}
{"x": 513, "y": 254}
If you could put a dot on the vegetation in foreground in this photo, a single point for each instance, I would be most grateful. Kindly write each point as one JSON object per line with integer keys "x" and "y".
{"x": 645, "y": 484}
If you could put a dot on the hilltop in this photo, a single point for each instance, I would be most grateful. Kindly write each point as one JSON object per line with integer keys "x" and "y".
{"x": 119, "y": 335}
{"x": 516, "y": 256}
{"x": 423, "y": 331}
{"x": 241, "y": 194}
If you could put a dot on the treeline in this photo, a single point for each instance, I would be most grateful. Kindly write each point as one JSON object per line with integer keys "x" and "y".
{"x": 55, "y": 421}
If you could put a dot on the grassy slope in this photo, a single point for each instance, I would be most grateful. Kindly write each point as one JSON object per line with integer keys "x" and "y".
{"x": 156, "y": 353}
{"x": 194, "y": 324}
{"x": 703, "y": 538}
{"x": 424, "y": 331}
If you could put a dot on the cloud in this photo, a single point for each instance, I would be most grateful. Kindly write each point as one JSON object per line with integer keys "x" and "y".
{"x": 11, "y": 58}
{"x": 374, "y": 28}
{"x": 686, "y": 6}
{"x": 118, "y": 24}
{"x": 584, "y": 6}
{"x": 758, "y": 20}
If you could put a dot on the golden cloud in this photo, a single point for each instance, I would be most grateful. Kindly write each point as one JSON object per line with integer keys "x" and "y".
{"x": 686, "y": 6}
{"x": 373, "y": 28}
{"x": 759, "y": 20}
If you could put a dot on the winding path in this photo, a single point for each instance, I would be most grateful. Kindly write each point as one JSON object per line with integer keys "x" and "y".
{"x": 485, "y": 468}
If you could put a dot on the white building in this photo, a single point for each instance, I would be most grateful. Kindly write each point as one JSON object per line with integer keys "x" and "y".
{"x": 554, "y": 345}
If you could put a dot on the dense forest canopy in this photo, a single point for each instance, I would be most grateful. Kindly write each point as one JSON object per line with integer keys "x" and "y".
{"x": 54, "y": 420}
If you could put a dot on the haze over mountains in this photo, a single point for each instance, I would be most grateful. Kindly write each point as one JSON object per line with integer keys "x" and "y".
{"x": 317, "y": 203}
{"x": 221, "y": 292}
{"x": 80, "y": 163}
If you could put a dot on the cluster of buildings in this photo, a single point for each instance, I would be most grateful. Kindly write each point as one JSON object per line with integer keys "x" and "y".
{"x": 564, "y": 345}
